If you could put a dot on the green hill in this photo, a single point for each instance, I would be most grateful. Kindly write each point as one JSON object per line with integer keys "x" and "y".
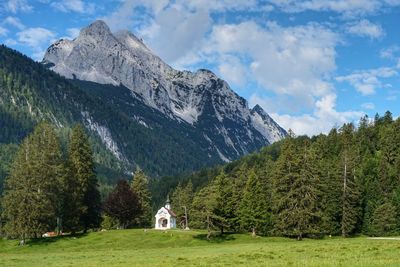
{"x": 173, "y": 248}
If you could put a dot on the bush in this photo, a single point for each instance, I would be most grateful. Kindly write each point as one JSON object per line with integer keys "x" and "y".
{"x": 109, "y": 223}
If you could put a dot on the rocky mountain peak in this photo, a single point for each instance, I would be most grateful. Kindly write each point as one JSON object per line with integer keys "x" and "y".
{"x": 257, "y": 108}
{"x": 131, "y": 41}
{"x": 98, "y": 29}
{"x": 201, "y": 99}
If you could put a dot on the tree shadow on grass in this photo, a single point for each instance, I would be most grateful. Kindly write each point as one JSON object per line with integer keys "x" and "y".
{"x": 216, "y": 237}
{"x": 49, "y": 240}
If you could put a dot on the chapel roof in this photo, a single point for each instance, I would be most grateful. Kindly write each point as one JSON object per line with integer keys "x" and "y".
{"x": 171, "y": 212}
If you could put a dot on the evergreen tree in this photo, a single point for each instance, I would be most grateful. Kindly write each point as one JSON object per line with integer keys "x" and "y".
{"x": 226, "y": 204}
{"x": 295, "y": 192}
{"x": 82, "y": 167}
{"x": 181, "y": 201}
{"x": 140, "y": 186}
{"x": 384, "y": 220}
{"x": 70, "y": 204}
{"x": 351, "y": 209}
{"x": 205, "y": 204}
{"x": 122, "y": 204}
{"x": 327, "y": 149}
{"x": 254, "y": 210}
{"x": 31, "y": 201}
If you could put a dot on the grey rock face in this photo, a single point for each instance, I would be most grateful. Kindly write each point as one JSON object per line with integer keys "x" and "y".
{"x": 199, "y": 98}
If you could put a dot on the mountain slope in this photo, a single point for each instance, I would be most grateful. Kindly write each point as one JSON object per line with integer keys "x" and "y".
{"x": 30, "y": 93}
{"x": 198, "y": 105}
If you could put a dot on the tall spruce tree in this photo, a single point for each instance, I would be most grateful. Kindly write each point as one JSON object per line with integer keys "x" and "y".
{"x": 205, "y": 206}
{"x": 295, "y": 190}
{"x": 83, "y": 168}
{"x": 351, "y": 198}
{"x": 140, "y": 186}
{"x": 226, "y": 204}
{"x": 254, "y": 209}
{"x": 181, "y": 201}
{"x": 71, "y": 207}
{"x": 327, "y": 149}
{"x": 31, "y": 201}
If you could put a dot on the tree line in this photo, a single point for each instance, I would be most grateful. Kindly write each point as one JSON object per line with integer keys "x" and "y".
{"x": 49, "y": 189}
{"x": 344, "y": 183}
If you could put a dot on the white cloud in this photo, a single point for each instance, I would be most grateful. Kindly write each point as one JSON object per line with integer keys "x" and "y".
{"x": 3, "y": 31}
{"x": 233, "y": 70}
{"x": 222, "y": 5}
{"x": 15, "y": 22}
{"x": 292, "y": 61}
{"x": 368, "y": 105}
{"x": 348, "y": 8}
{"x": 78, "y": 6}
{"x": 324, "y": 116}
{"x": 15, "y": 6}
{"x": 365, "y": 28}
{"x": 10, "y": 42}
{"x": 37, "y": 39}
{"x": 73, "y": 32}
{"x": 126, "y": 16}
{"x": 390, "y": 52}
{"x": 175, "y": 29}
{"x": 368, "y": 81}
{"x": 179, "y": 32}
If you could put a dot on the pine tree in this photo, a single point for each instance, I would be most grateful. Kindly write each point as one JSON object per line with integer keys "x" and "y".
{"x": 327, "y": 150}
{"x": 205, "y": 205}
{"x": 122, "y": 204}
{"x": 295, "y": 192}
{"x": 254, "y": 207}
{"x": 71, "y": 207}
{"x": 384, "y": 220}
{"x": 351, "y": 208}
{"x": 31, "y": 202}
{"x": 140, "y": 186}
{"x": 181, "y": 201}
{"x": 82, "y": 167}
{"x": 226, "y": 204}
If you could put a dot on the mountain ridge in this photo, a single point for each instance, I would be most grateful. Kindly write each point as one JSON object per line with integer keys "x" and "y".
{"x": 97, "y": 55}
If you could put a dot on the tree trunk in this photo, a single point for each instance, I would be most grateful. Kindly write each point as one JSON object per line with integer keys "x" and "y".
{"x": 344, "y": 197}
{"x": 208, "y": 227}
{"x": 253, "y": 233}
{"x": 22, "y": 241}
{"x": 300, "y": 237}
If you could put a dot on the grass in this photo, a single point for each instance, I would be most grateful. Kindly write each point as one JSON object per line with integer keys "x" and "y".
{"x": 190, "y": 248}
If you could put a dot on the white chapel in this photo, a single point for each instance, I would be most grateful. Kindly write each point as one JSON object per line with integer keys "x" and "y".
{"x": 165, "y": 217}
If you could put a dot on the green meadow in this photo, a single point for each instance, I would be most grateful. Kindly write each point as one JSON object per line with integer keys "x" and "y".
{"x": 190, "y": 248}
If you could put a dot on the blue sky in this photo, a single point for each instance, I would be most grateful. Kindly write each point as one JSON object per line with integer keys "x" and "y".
{"x": 311, "y": 64}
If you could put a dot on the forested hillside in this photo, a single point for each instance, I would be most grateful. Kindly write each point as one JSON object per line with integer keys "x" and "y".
{"x": 343, "y": 183}
{"x": 30, "y": 93}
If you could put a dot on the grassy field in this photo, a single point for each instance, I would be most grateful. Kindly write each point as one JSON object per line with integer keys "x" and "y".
{"x": 179, "y": 248}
